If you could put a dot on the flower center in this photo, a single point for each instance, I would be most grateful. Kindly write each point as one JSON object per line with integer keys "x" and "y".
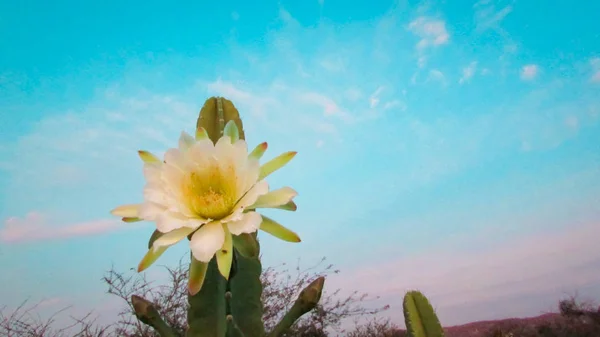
{"x": 211, "y": 193}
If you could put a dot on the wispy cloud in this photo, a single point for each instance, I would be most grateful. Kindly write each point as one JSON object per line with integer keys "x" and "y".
{"x": 36, "y": 227}
{"x": 529, "y": 72}
{"x": 468, "y": 72}
{"x": 374, "y": 99}
{"x": 487, "y": 16}
{"x": 327, "y": 104}
{"x": 431, "y": 31}
{"x": 436, "y": 75}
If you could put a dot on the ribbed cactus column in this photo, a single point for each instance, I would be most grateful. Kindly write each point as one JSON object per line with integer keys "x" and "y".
{"x": 207, "y": 315}
{"x": 419, "y": 316}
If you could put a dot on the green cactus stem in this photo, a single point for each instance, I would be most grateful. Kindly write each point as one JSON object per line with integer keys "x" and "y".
{"x": 147, "y": 314}
{"x": 246, "y": 289}
{"x": 232, "y": 329}
{"x": 419, "y": 316}
{"x": 207, "y": 311}
{"x": 306, "y": 301}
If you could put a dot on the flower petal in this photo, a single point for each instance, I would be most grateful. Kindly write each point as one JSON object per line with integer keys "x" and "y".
{"x": 225, "y": 255}
{"x": 249, "y": 223}
{"x": 153, "y": 173}
{"x": 240, "y": 153}
{"x": 126, "y": 211}
{"x": 150, "y": 210}
{"x": 231, "y": 131}
{"x": 258, "y": 151}
{"x": 274, "y": 228}
{"x": 275, "y": 198}
{"x": 260, "y": 188}
{"x": 185, "y": 141}
{"x": 168, "y": 221}
{"x": 151, "y": 256}
{"x": 172, "y": 237}
{"x": 201, "y": 153}
{"x": 276, "y": 163}
{"x": 197, "y": 275}
{"x": 148, "y": 157}
{"x": 207, "y": 240}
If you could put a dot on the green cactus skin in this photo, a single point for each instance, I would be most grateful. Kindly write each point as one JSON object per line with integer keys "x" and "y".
{"x": 246, "y": 289}
{"x": 207, "y": 312}
{"x": 419, "y": 316}
{"x": 146, "y": 312}
{"x": 215, "y": 114}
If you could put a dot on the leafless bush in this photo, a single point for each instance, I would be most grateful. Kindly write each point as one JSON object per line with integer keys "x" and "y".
{"x": 24, "y": 322}
{"x": 377, "y": 328}
{"x": 280, "y": 289}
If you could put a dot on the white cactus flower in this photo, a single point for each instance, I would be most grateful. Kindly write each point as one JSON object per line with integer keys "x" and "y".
{"x": 211, "y": 192}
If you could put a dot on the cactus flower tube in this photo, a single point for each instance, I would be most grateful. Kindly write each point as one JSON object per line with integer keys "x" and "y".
{"x": 208, "y": 192}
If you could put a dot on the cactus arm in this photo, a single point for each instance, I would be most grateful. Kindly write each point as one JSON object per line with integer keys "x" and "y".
{"x": 147, "y": 314}
{"x": 419, "y": 316}
{"x": 306, "y": 301}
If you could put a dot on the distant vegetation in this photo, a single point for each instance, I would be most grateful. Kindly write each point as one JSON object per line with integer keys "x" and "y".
{"x": 280, "y": 288}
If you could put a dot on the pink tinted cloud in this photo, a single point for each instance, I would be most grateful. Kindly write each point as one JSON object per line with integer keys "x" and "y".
{"x": 552, "y": 264}
{"x": 529, "y": 72}
{"x": 35, "y": 227}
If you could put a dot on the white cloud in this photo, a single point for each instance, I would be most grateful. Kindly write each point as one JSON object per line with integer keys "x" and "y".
{"x": 329, "y": 106}
{"x": 431, "y": 31}
{"x": 374, "y": 99}
{"x": 468, "y": 72}
{"x": 529, "y": 72}
{"x": 35, "y": 227}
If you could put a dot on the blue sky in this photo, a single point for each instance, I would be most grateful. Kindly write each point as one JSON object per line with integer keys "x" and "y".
{"x": 451, "y": 147}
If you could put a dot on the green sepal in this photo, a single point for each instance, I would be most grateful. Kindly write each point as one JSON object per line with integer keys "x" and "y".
{"x": 246, "y": 245}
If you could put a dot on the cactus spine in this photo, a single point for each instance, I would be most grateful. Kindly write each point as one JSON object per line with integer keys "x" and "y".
{"x": 419, "y": 316}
